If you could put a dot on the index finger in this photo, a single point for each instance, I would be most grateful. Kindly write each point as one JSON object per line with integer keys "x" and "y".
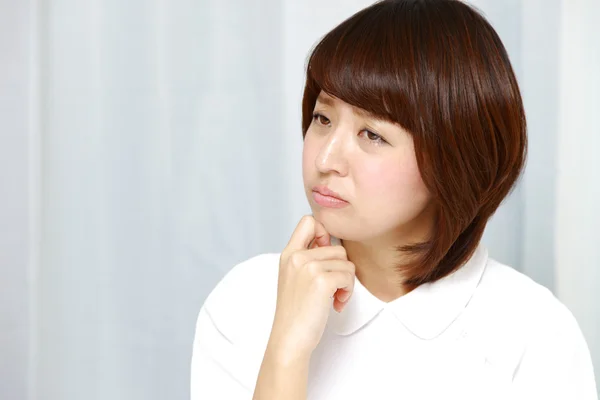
{"x": 308, "y": 229}
{"x": 322, "y": 237}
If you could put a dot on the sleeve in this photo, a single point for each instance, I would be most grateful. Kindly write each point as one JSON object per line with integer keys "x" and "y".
{"x": 556, "y": 365}
{"x": 217, "y": 370}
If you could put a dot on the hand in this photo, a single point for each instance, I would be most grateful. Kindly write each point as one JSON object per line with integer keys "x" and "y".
{"x": 311, "y": 273}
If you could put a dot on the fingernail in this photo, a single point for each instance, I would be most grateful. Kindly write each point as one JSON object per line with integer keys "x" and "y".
{"x": 344, "y": 297}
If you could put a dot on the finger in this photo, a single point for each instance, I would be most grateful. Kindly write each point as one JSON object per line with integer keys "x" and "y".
{"x": 339, "y": 305}
{"x": 342, "y": 295}
{"x": 322, "y": 237}
{"x": 303, "y": 234}
{"x": 330, "y": 265}
{"x": 325, "y": 253}
{"x": 322, "y": 259}
{"x": 337, "y": 280}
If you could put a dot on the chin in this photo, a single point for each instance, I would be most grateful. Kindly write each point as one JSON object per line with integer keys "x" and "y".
{"x": 336, "y": 223}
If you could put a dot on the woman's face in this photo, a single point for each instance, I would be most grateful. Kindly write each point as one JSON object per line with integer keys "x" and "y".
{"x": 371, "y": 164}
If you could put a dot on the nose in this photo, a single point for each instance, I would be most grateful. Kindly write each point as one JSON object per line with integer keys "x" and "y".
{"x": 331, "y": 157}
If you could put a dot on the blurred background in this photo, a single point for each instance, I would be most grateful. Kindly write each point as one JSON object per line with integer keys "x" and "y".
{"x": 146, "y": 147}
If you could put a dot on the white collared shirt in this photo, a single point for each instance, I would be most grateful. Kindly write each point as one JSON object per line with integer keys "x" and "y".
{"x": 484, "y": 332}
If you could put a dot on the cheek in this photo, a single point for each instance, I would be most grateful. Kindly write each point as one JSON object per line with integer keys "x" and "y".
{"x": 391, "y": 183}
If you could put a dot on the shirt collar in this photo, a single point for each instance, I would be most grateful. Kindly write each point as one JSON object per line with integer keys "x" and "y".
{"x": 427, "y": 311}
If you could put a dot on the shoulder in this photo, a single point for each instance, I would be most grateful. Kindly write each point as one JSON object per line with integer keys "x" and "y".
{"x": 521, "y": 324}
{"x": 233, "y": 328}
{"x": 517, "y": 300}
{"x": 536, "y": 334}
{"x": 242, "y": 304}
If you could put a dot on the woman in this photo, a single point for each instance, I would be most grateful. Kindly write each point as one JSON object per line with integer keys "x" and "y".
{"x": 414, "y": 133}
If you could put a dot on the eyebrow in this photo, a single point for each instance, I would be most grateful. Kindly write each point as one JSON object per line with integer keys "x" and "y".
{"x": 329, "y": 101}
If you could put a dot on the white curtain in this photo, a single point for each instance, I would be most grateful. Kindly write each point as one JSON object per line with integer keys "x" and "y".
{"x": 147, "y": 147}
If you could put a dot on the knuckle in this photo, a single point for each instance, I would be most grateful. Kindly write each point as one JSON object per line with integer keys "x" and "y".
{"x": 351, "y": 267}
{"x": 313, "y": 268}
{"x": 320, "y": 282}
{"x": 296, "y": 259}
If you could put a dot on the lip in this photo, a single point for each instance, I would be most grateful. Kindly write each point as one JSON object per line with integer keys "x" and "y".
{"x": 328, "y": 201}
{"x": 325, "y": 191}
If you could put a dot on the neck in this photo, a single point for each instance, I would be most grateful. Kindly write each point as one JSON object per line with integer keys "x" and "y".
{"x": 375, "y": 268}
{"x": 376, "y": 258}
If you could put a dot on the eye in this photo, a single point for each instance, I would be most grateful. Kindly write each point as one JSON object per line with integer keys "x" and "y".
{"x": 374, "y": 138}
{"x": 321, "y": 119}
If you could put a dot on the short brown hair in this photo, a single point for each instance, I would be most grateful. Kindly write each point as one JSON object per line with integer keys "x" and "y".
{"x": 438, "y": 69}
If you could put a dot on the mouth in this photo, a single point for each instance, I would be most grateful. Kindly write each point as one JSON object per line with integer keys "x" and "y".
{"x": 325, "y": 191}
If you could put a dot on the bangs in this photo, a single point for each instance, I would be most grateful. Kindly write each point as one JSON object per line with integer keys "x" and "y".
{"x": 368, "y": 65}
